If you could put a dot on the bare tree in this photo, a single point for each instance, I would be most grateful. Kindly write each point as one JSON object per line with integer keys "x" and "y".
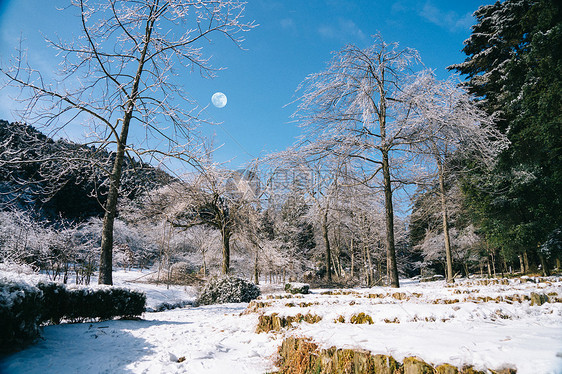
{"x": 449, "y": 125}
{"x": 315, "y": 181}
{"x": 217, "y": 198}
{"x": 118, "y": 75}
{"x": 351, "y": 110}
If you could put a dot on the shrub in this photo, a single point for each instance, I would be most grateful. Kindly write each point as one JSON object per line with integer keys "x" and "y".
{"x": 103, "y": 303}
{"x": 24, "y": 307}
{"x": 20, "y": 314}
{"x": 227, "y": 290}
{"x": 54, "y": 301}
{"x": 294, "y": 288}
{"x": 169, "y": 306}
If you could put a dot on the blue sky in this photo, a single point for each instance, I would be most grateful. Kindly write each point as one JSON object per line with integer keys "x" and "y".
{"x": 294, "y": 38}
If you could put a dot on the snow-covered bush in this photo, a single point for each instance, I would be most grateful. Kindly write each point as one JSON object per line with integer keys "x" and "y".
{"x": 54, "y": 301}
{"x": 20, "y": 314}
{"x": 227, "y": 290}
{"x": 21, "y": 237}
{"x": 13, "y": 267}
{"x": 295, "y": 288}
{"x": 25, "y": 306}
{"x": 79, "y": 304}
{"x": 103, "y": 303}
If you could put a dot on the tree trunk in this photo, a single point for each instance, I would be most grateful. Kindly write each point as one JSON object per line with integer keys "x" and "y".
{"x": 371, "y": 277}
{"x": 545, "y": 269}
{"x": 204, "y": 265}
{"x": 327, "y": 244}
{"x": 521, "y": 264}
{"x": 256, "y": 268}
{"x": 338, "y": 269}
{"x": 352, "y": 258}
{"x": 167, "y": 239}
{"x": 225, "y": 251}
{"x": 366, "y": 266}
{"x": 106, "y": 257}
{"x": 335, "y": 265}
{"x": 389, "y": 215}
{"x": 526, "y": 261}
{"x": 481, "y": 265}
{"x": 445, "y": 223}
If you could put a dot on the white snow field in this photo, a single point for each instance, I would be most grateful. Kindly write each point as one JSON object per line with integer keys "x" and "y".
{"x": 489, "y": 325}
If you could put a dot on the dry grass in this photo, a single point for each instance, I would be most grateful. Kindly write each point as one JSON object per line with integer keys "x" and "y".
{"x": 299, "y": 355}
{"x": 274, "y": 322}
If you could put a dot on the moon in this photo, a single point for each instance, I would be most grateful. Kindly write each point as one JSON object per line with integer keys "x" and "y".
{"x": 219, "y": 99}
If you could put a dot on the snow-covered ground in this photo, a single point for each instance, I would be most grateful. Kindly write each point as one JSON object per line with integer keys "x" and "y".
{"x": 454, "y": 325}
{"x": 207, "y": 339}
{"x": 465, "y": 324}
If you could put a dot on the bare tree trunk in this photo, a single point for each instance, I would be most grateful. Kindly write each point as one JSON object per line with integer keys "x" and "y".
{"x": 169, "y": 256}
{"x": 225, "y": 250}
{"x": 389, "y": 214}
{"x": 161, "y": 255}
{"x": 203, "y": 253}
{"x": 526, "y": 261}
{"x": 256, "y": 268}
{"x": 492, "y": 255}
{"x": 106, "y": 257}
{"x": 336, "y": 257}
{"x": 327, "y": 244}
{"x": 352, "y": 258}
{"x": 366, "y": 266}
{"x": 445, "y": 223}
{"x": 545, "y": 269}
{"x": 521, "y": 264}
{"x": 370, "y": 267}
{"x": 481, "y": 265}
{"x": 335, "y": 265}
